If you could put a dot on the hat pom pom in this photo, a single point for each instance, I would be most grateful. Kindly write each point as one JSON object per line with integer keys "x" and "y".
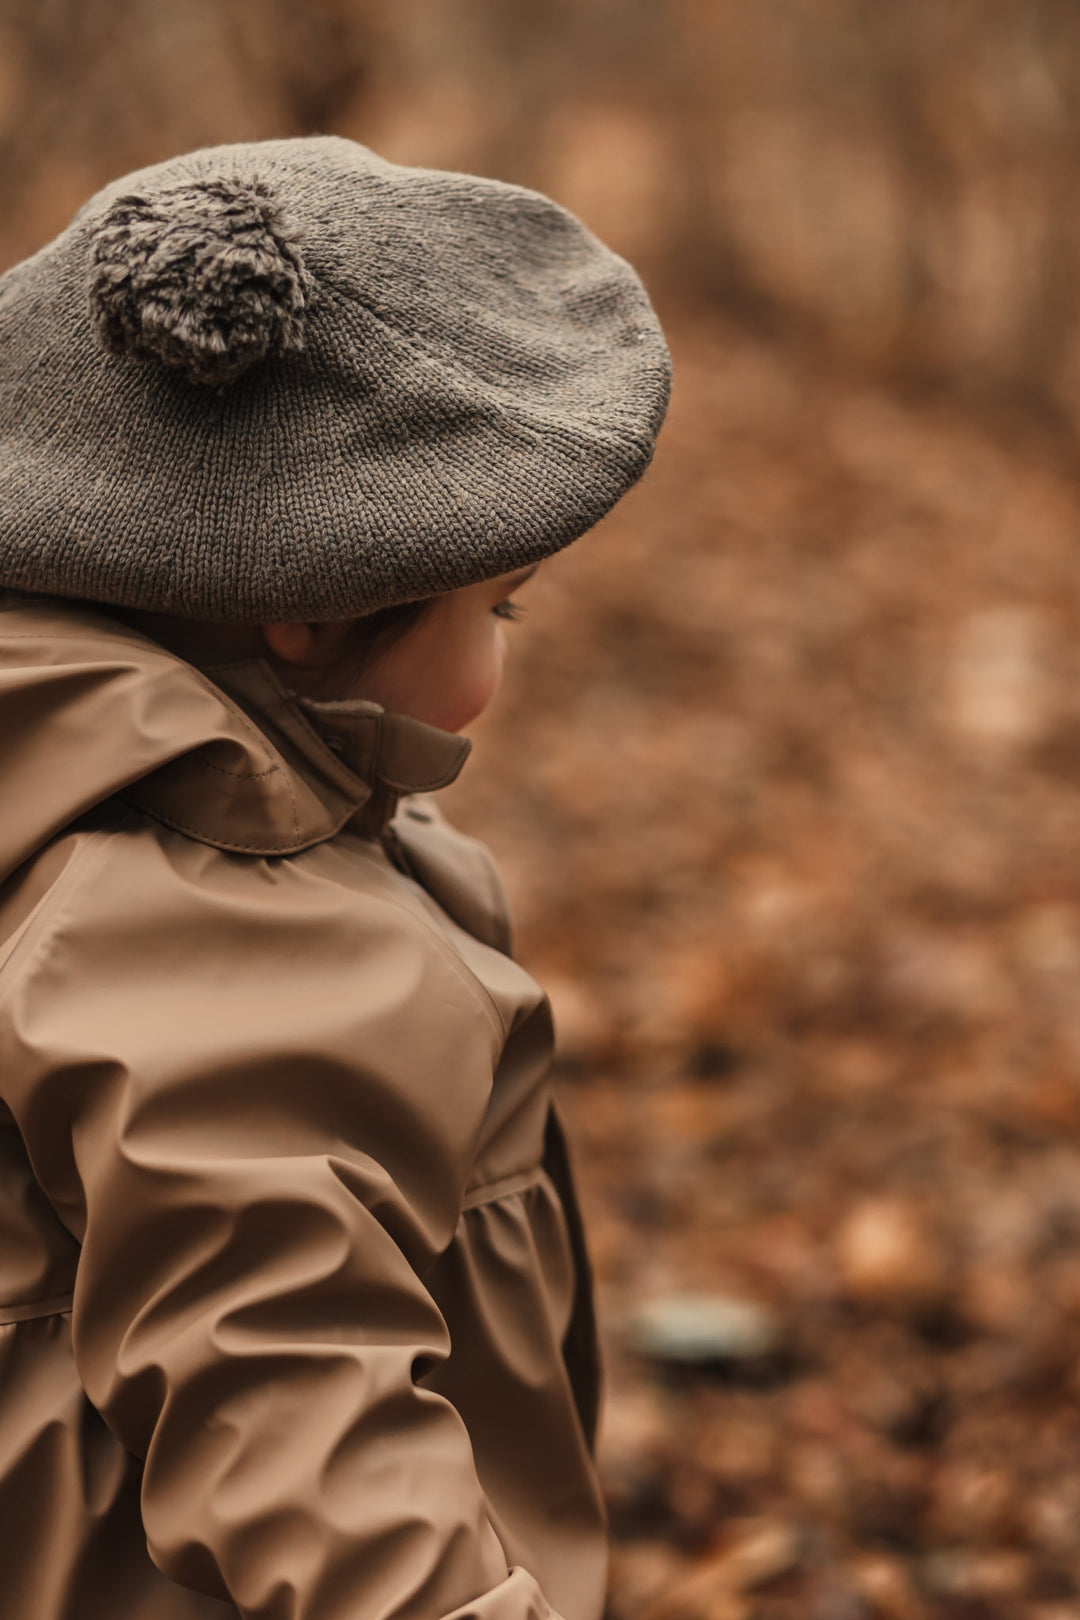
{"x": 206, "y": 277}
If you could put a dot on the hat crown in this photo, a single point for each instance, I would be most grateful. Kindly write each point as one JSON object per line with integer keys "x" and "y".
{"x": 207, "y": 277}
{"x": 294, "y": 380}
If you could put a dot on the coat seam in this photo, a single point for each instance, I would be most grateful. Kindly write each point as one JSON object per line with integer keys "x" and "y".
{"x": 239, "y": 776}
{"x": 491, "y": 1192}
{"x": 294, "y": 846}
{"x": 37, "y": 1310}
{"x": 471, "y": 980}
{"x": 53, "y": 908}
{"x": 330, "y": 762}
{"x": 454, "y": 959}
{"x": 52, "y": 911}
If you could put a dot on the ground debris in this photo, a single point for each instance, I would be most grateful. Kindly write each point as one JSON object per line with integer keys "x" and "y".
{"x": 699, "y": 1329}
{"x": 785, "y": 783}
{"x": 754, "y": 1554}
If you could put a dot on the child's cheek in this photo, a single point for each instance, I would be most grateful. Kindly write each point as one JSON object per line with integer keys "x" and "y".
{"x": 471, "y": 686}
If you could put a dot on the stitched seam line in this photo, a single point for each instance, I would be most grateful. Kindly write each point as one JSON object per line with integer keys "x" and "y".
{"x": 336, "y": 765}
{"x": 287, "y": 847}
{"x": 503, "y": 1187}
{"x": 260, "y": 738}
{"x": 53, "y": 909}
{"x": 452, "y": 957}
{"x": 293, "y": 807}
{"x": 34, "y": 1310}
{"x": 237, "y": 776}
{"x": 443, "y": 779}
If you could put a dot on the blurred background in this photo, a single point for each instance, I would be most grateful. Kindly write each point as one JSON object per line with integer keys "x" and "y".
{"x": 784, "y": 779}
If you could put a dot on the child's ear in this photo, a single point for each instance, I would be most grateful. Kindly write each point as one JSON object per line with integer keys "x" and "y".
{"x": 306, "y": 645}
{"x": 292, "y": 643}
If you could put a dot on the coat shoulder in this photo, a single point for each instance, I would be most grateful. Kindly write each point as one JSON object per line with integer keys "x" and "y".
{"x": 456, "y": 870}
{"x": 124, "y": 890}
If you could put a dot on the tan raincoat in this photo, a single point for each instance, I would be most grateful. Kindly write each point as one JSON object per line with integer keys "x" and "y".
{"x": 295, "y": 1313}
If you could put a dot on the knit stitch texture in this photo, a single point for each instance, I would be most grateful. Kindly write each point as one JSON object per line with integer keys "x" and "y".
{"x": 292, "y": 380}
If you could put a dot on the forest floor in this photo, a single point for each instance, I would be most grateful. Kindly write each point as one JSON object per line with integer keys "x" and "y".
{"x": 784, "y": 782}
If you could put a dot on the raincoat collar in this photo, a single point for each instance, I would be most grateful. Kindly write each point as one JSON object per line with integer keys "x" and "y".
{"x": 92, "y": 710}
{"x": 372, "y": 756}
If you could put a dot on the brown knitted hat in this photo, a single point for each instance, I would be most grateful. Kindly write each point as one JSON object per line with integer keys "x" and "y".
{"x": 291, "y": 380}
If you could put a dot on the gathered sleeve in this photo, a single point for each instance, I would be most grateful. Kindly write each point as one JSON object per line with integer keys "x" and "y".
{"x": 256, "y": 1107}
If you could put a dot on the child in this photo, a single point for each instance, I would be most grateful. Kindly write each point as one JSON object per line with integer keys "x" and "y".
{"x": 296, "y": 1311}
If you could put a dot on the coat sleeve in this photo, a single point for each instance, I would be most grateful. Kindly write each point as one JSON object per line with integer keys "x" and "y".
{"x": 256, "y": 1107}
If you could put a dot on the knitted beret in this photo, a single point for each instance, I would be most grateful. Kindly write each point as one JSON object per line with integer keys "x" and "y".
{"x": 292, "y": 380}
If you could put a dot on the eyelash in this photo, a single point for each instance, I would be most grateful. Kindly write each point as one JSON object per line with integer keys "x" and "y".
{"x": 507, "y": 610}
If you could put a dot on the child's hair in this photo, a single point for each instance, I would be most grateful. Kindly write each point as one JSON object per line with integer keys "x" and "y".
{"x": 370, "y": 637}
